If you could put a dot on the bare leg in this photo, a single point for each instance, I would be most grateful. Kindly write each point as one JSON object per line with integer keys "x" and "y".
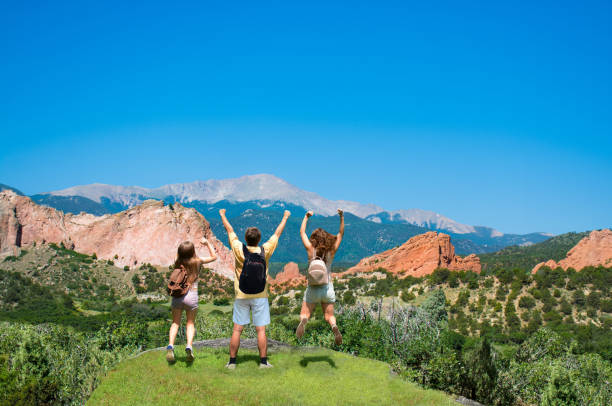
{"x": 190, "y": 329}
{"x": 176, "y": 322}
{"x": 235, "y": 340}
{"x": 262, "y": 341}
{"x": 328, "y": 312}
{"x": 307, "y": 309}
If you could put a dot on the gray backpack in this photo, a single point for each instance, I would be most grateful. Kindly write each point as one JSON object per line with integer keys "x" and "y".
{"x": 317, "y": 272}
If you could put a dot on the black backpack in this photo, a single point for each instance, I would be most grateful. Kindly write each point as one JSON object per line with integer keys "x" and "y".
{"x": 253, "y": 276}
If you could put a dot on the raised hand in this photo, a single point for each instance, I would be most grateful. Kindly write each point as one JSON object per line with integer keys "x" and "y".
{"x": 222, "y": 212}
{"x": 340, "y": 212}
{"x": 309, "y": 213}
{"x": 287, "y": 213}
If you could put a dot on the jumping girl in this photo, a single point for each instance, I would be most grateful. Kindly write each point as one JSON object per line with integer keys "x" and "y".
{"x": 321, "y": 246}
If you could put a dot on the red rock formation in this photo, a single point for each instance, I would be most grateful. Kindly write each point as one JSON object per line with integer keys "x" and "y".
{"x": 593, "y": 250}
{"x": 419, "y": 256}
{"x": 149, "y": 233}
{"x": 289, "y": 278}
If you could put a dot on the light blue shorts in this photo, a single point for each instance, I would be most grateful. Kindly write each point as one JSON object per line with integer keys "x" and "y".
{"x": 320, "y": 294}
{"x": 259, "y": 307}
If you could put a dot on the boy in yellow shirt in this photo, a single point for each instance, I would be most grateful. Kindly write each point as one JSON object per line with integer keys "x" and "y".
{"x": 256, "y": 303}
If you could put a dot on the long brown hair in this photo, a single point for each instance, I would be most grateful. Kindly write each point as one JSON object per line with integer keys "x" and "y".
{"x": 187, "y": 257}
{"x": 323, "y": 242}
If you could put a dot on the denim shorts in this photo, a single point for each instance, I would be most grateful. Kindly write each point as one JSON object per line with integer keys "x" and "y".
{"x": 258, "y": 307}
{"x": 320, "y": 294}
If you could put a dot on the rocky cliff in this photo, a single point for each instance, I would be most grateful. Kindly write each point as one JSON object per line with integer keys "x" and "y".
{"x": 290, "y": 277}
{"x": 148, "y": 233}
{"x": 419, "y": 256}
{"x": 593, "y": 250}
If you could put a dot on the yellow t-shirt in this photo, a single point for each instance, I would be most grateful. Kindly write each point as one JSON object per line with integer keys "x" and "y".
{"x": 269, "y": 247}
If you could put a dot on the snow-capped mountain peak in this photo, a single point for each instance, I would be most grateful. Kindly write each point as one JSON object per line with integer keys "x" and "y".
{"x": 261, "y": 187}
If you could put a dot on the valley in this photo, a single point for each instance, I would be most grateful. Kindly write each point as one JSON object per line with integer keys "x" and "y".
{"x": 465, "y": 325}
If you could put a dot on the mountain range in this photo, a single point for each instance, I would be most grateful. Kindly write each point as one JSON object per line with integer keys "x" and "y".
{"x": 257, "y": 198}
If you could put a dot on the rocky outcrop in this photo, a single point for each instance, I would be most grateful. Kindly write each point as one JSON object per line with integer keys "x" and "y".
{"x": 419, "y": 256}
{"x": 593, "y": 250}
{"x": 289, "y": 278}
{"x": 148, "y": 233}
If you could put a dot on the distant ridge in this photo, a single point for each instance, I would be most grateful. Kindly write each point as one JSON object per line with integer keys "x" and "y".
{"x": 266, "y": 188}
{"x": 526, "y": 257}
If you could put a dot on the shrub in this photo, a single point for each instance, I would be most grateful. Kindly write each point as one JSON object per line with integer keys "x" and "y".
{"x": 463, "y": 298}
{"x": 593, "y": 300}
{"x": 527, "y": 302}
{"x": 481, "y": 372}
{"x": 407, "y": 296}
{"x": 565, "y": 307}
{"x": 222, "y": 301}
{"x": 579, "y": 298}
{"x": 439, "y": 276}
{"x": 606, "y": 305}
{"x": 500, "y": 294}
{"x": 348, "y": 298}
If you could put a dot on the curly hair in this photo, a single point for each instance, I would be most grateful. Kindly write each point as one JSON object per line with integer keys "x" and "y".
{"x": 323, "y": 242}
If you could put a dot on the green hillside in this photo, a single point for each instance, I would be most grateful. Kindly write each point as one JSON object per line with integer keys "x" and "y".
{"x": 299, "y": 377}
{"x": 525, "y": 258}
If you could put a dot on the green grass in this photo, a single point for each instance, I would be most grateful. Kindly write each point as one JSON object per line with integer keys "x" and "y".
{"x": 299, "y": 377}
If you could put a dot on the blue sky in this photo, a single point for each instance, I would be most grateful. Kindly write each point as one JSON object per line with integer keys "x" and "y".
{"x": 491, "y": 114}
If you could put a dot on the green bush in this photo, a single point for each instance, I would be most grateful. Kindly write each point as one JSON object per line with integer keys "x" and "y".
{"x": 348, "y": 298}
{"x": 527, "y": 302}
{"x": 49, "y": 364}
{"x": 579, "y": 298}
{"x": 222, "y": 301}
{"x": 407, "y": 296}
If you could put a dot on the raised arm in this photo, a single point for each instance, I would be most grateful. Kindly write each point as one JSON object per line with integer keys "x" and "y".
{"x": 226, "y": 223}
{"x": 281, "y": 226}
{"x": 340, "y": 232}
{"x": 213, "y": 254}
{"x": 305, "y": 239}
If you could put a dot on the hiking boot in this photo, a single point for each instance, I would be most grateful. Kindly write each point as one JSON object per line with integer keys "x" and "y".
{"x": 337, "y": 335}
{"x": 266, "y": 365}
{"x": 189, "y": 353}
{"x": 230, "y": 366}
{"x": 299, "y": 331}
{"x": 170, "y": 354}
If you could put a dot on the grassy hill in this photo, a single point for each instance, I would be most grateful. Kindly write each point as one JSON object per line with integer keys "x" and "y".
{"x": 299, "y": 377}
{"x": 525, "y": 258}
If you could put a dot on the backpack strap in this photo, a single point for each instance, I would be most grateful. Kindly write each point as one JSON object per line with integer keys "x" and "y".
{"x": 246, "y": 252}
{"x": 314, "y": 255}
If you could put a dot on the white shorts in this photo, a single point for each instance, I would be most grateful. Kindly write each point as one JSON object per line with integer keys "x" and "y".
{"x": 259, "y": 307}
{"x": 320, "y": 294}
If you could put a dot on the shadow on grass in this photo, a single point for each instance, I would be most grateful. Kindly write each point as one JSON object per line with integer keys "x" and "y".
{"x": 318, "y": 358}
{"x": 247, "y": 358}
{"x": 182, "y": 360}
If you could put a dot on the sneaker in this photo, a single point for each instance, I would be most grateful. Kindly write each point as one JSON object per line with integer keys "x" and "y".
{"x": 170, "y": 354}
{"x": 230, "y": 366}
{"x": 264, "y": 366}
{"x": 299, "y": 332}
{"x": 337, "y": 335}
{"x": 189, "y": 353}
